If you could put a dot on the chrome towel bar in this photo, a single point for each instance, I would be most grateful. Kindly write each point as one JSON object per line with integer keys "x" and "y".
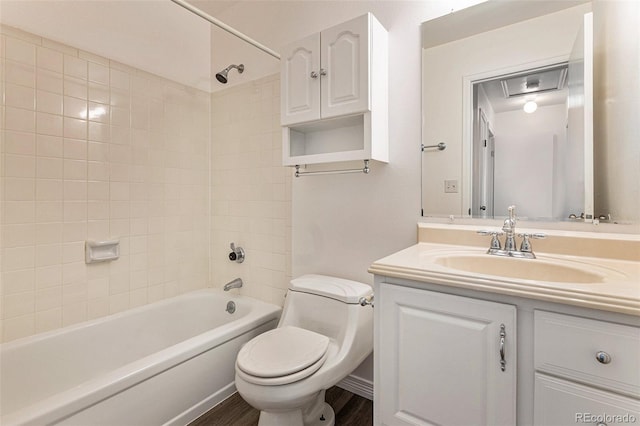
{"x": 364, "y": 170}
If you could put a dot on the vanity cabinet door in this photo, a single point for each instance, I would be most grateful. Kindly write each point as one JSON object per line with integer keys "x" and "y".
{"x": 438, "y": 359}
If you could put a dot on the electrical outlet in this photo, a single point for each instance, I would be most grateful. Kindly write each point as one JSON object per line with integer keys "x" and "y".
{"x": 451, "y": 186}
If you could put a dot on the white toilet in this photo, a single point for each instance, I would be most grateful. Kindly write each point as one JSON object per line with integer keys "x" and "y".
{"x": 323, "y": 335}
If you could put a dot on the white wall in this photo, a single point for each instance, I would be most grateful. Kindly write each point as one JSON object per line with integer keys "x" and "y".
{"x": 342, "y": 223}
{"x": 617, "y": 109}
{"x": 524, "y": 150}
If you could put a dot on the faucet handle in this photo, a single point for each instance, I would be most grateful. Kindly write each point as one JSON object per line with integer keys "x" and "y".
{"x": 525, "y": 246}
{"x": 495, "y": 242}
{"x": 535, "y": 236}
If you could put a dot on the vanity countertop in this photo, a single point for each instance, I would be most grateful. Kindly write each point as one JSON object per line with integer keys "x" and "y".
{"x": 616, "y": 289}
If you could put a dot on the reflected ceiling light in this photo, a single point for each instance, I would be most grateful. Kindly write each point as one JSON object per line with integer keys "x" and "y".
{"x": 530, "y": 107}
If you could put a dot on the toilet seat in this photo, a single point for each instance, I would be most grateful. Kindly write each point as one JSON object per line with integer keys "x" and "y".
{"x": 283, "y": 355}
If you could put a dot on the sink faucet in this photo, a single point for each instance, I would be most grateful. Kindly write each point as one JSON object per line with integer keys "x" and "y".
{"x": 237, "y": 283}
{"x": 509, "y": 229}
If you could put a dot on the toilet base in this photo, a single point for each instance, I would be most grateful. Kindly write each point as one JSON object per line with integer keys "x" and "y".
{"x": 316, "y": 413}
{"x": 328, "y": 415}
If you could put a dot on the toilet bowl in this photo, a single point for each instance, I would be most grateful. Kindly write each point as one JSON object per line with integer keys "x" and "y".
{"x": 323, "y": 335}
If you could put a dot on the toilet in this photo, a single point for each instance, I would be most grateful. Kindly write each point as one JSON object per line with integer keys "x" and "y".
{"x": 324, "y": 333}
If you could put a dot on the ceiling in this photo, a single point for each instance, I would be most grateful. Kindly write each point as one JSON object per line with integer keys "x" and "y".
{"x": 163, "y": 38}
{"x": 509, "y": 93}
{"x": 170, "y": 41}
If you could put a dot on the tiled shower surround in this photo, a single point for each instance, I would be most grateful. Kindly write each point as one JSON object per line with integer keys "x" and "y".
{"x": 92, "y": 150}
{"x": 251, "y": 190}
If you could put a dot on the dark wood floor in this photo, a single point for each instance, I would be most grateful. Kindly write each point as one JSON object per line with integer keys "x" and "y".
{"x": 350, "y": 409}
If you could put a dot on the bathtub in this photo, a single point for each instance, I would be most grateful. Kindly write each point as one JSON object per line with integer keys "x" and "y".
{"x": 163, "y": 363}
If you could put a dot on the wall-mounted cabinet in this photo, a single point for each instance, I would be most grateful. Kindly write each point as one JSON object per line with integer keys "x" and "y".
{"x": 334, "y": 94}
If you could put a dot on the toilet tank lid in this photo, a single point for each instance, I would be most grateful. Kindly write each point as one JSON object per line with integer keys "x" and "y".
{"x": 346, "y": 291}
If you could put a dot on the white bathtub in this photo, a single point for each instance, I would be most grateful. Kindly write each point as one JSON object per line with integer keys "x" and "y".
{"x": 163, "y": 363}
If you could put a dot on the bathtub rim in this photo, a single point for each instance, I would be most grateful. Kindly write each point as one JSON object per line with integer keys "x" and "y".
{"x": 94, "y": 390}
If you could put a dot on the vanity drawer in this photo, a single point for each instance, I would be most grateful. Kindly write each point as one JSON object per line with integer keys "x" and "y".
{"x": 567, "y": 346}
{"x": 559, "y": 402}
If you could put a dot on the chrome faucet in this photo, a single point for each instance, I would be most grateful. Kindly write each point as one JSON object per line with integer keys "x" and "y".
{"x": 509, "y": 229}
{"x": 237, "y": 283}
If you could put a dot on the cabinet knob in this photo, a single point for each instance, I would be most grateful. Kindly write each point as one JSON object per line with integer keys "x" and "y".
{"x": 323, "y": 71}
{"x": 314, "y": 74}
{"x": 603, "y": 357}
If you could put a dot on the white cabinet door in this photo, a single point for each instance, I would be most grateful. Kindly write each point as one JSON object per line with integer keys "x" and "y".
{"x": 438, "y": 359}
{"x": 300, "y": 76}
{"x": 344, "y": 59}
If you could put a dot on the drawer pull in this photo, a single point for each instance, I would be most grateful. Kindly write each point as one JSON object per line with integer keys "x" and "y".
{"x": 603, "y": 357}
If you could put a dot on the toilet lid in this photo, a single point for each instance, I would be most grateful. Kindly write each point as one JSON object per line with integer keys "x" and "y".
{"x": 282, "y": 352}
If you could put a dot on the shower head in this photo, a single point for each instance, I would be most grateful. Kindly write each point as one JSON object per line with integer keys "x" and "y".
{"x": 222, "y": 75}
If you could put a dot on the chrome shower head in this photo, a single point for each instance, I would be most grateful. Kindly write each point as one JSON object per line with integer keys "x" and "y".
{"x": 222, "y": 75}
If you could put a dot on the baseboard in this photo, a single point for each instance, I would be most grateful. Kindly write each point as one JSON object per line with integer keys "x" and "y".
{"x": 358, "y": 386}
{"x": 203, "y": 406}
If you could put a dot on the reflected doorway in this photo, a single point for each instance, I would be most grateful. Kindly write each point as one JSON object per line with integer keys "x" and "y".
{"x": 520, "y": 144}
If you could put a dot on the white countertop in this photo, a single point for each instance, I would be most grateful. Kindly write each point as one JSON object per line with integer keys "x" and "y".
{"x": 619, "y": 290}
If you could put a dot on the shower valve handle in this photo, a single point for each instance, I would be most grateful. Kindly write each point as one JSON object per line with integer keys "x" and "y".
{"x": 237, "y": 254}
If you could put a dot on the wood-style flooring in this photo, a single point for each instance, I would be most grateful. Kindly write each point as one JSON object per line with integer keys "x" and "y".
{"x": 350, "y": 409}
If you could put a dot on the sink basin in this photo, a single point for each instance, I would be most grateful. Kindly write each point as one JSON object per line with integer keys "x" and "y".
{"x": 525, "y": 269}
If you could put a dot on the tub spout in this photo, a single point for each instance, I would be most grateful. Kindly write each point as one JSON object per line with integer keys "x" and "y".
{"x": 237, "y": 283}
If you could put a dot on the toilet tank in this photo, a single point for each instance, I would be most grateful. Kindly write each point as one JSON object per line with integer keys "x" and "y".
{"x": 326, "y": 305}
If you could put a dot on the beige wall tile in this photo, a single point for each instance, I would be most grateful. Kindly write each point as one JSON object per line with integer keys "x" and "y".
{"x": 75, "y": 67}
{"x": 19, "y": 73}
{"x": 97, "y": 149}
{"x": 19, "y": 96}
{"x": 20, "y": 51}
{"x": 49, "y": 59}
{"x": 20, "y": 143}
{"x": 49, "y": 102}
{"x": 19, "y": 119}
{"x": 49, "y": 146}
{"x": 98, "y": 73}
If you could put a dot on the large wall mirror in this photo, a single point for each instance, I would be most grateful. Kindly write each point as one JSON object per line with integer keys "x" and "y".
{"x": 508, "y": 88}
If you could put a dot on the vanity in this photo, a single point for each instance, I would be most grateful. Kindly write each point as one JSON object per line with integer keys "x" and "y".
{"x": 463, "y": 337}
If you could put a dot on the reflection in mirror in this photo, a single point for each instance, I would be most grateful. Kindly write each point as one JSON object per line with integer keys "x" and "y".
{"x": 521, "y": 149}
{"x": 465, "y": 50}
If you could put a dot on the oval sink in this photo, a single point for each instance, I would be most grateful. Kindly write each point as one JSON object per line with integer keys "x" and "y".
{"x": 526, "y": 269}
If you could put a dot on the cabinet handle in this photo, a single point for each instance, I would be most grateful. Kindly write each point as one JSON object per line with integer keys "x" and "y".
{"x": 314, "y": 74}
{"x": 323, "y": 71}
{"x": 503, "y": 335}
{"x": 603, "y": 357}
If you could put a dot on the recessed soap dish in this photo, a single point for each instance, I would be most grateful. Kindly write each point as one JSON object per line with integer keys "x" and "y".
{"x": 101, "y": 251}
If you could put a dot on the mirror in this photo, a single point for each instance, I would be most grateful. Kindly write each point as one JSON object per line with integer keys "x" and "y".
{"x": 541, "y": 162}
